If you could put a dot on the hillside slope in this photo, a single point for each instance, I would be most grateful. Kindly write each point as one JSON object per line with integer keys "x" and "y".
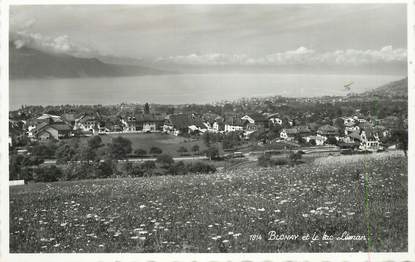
{"x": 394, "y": 89}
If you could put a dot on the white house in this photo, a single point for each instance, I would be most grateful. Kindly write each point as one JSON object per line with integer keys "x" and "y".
{"x": 288, "y": 133}
{"x": 233, "y": 128}
{"x": 248, "y": 118}
{"x": 351, "y": 129}
{"x": 348, "y": 121}
{"x": 276, "y": 120}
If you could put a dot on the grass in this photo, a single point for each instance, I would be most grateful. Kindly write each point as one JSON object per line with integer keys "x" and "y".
{"x": 219, "y": 212}
{"x": 168, "y": 143}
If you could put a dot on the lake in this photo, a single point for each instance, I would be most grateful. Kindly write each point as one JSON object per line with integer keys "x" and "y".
{"x": 184, "y": 88}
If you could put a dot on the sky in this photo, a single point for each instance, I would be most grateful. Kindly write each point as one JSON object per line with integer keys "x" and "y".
{"x": 254, "y": 35}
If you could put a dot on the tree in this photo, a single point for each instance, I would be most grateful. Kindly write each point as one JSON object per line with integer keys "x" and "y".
{"x": 44, "y": 150}
{"x": 178, "y": 168}
{"x": 294, "y": 157}
{"x": 182, "y": 150}
{"x": 400, "y": 137}
{"x": 64, "y": 153}
{"x": 104, "y": 169}
{"x": 147, "y": 167}
{"x": 165, "y": 160}
{"x": 212, "y": 152}
{"x": 120, "y": 148}
{"x": 140, "y": 152}
{"x": 155, "y": 151}
{"x": 201, "y": 167}
{"x": 85, "y": 153}
{"x": 195, "y": 149}
{"x": 264, "y": 160}
{"x": 95, "y": 142}
{"x": 331, "y": 140}
{"x": 206, "y": 137}
{"x": 231, "y": 140}
{"x": 147, "y": 108}
{"x": 47, "y": 174}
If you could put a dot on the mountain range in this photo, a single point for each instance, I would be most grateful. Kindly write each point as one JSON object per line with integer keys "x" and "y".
{"x": 26, "y": 62}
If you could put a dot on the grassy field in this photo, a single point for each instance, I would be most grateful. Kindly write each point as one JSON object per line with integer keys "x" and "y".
{"x": 231, "y": 211}
{"x": 168, "y": 143}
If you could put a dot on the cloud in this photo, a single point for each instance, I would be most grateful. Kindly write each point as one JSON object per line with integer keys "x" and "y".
{"x": 299, "y": 56}
{"x": 60, "y": 44}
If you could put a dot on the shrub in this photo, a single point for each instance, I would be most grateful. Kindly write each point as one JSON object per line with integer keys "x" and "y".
{"x": 195, "y": 149}
{"x": 201, "y": 167}
{"x": 293, "y": 157}
{"x": 140, "y": 152}
{"x": 212, "y": 153}
{"x": 280, "y": 162}
{"x": 119, "y": 148}
{"x": 44, "y": 150}
{"x": 77, "y": 171}
{"x": 264, "y": 160}
{"x": 165, "y": 160}
{"x": 182, "y": 150}
{"x": 155, "y": 151}
{"x": 47, "y": 174}
{"x": 104, "y": 169}
{"x": 178, "y": 168}
{"x": 64, "y": 153}
{"x": 148, "y": 165}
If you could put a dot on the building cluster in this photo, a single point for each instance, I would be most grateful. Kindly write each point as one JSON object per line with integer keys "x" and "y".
{"x": 367, "y": 133}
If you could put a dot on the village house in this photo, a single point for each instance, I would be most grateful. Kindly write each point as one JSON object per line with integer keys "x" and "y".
{"x": 183, "y": 123}
{"x": 87, "y": 123}
{"x": 275, "y": 120}
{"x": 233, "y": 124}
{"x": 348, "y": 121}
{"x": 318, "y": 139}
{"x": 218, "y": 126}
{"x": 288, "y": 133}
{"x": 303, "y": 130}
{"x": 328, "y": 130}
{"x": 145, "y": 122}
{"x": 52, "y": 131}
{"x": 44, "y": 118}
{"x": 351, "y": 129}
{"x": 367, "y": 140}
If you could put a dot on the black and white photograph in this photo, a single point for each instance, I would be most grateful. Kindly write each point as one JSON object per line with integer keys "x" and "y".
{"x": 208, "y": 128}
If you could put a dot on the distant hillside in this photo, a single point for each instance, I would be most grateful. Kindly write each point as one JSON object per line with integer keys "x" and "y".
{"x": 27, "y": 62}
{"x": 394, "y": 89}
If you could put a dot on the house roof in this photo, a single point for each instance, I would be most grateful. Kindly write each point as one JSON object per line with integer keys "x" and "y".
{"x": 181, "y": 121}
{"x": 68, "y": 117}
{"x": 302, "y": 129}
{"x": 365, "y": 125}
{"x": 234, "y": 121}
{"x": 328, "y": 128}
{"x": 257, "y": 117}
{"x": 59, "y": 127}
{"x": 86, "y": 118}
{"x": 291, "y": 131}
{"x": 149, "y": 118}
{"x": 355, "y": 135}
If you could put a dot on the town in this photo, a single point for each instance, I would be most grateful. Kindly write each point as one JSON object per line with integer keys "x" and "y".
{"x": 206, "y": 137}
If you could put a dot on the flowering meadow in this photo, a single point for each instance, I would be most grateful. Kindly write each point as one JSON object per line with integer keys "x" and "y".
{"x": 229, "y": 211}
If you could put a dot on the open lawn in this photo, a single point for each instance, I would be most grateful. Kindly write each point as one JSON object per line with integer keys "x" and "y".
{"x": 230, "y": 211}
{"x": 168, "y": 143}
